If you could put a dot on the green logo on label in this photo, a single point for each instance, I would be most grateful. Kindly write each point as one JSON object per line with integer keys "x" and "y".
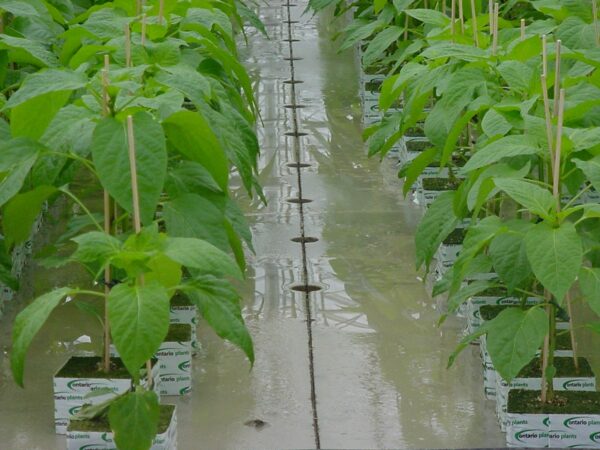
{"x": 185, "y": 366}
{"x": 529, "y": 434}
{"x": 546, "y": 421}
{"x": 595, "y": 437}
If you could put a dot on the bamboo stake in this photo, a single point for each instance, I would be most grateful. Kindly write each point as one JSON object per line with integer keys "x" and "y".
{"x": 545, "y": 352}
{"x": 161, "y": 11}
{"x": 544, "y": 56}
{"x": 475, "y": 26}
{"x": 137, "y": 222}
{"x": 143, "y": 30}
{"x": 548, "y": 117}
{"x": 495, "y": 37}
{"x": 107, "y": 225}
{"x": 522, "y": 29}
{"x": 557, "y": 78}
{"x": 138, "y": 7}
{"x": 127, "y": 46}
{"x": 559, "y": 132}
{"x": 595, "y": 16}
{"x": 452, "y": 18}
{"x": 461, "y": 16}
{"x": 491, "y": 16}
{"x": 572, "y": 332}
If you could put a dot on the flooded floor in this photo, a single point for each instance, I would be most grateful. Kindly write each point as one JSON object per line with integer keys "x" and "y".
{"x": 380, "y": 378}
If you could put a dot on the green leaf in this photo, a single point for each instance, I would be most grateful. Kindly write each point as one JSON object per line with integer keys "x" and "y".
{"x": 474, "y": 288}
{"x": 190, "y": 133}
{"x": 193, "y": 216}
{"x": 585, "y": 139}
{"x": 21, "y": 212}
{"x": 591, "y": 169}
{"x": 201, "y": 255}
{"x": 509, "y": 256}
{"x": 555, "y": 255}
{"x": 28, "y": 51}
{"x": 416, "y": 167}
{"x": 589, "y": 282}
{"x": 45, "y": 81}
{"x": 32, "y": 117}
{"x": 95, "y": 246}
{"x": 219, "y": 305}
{"x": 436, "y": 225}
{"x": 429, "y": 16}
{"x": 514, "y": 337}
{"x": 506, "y": 147}
{"x": 139, "y": 318}
{"x": 518, "y": 75}
{"x": 494, "y": 124}
{"x": 27, "y": 323}
{"x": 537, "y": 200}
{"x": 483, "y": 188}
{"x": 13, "y": 182}
{"x": 376, "y": 48}
{"x": 111, "y": 158}
{"x": 134, "y": 419}
{"x": 359, "y": 30}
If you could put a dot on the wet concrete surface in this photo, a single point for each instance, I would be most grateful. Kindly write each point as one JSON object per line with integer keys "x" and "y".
{"x": 380, "y": 361}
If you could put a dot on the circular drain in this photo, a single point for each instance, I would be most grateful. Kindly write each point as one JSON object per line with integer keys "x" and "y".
{"x": 296, "y": 133}
{"x": 298, "y": 165}
{"x": 298, "y": 200}
{"x": 294, "y": 106}
{"x": 293, "y": 82}
{"x": 305, "y": 240}
{"x": 305, "y": 288}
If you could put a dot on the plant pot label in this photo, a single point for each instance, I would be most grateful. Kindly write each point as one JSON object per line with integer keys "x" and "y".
{"x": 527, "y": 430}
{"x": 175, "y": 360}
{"x": 186, "y": 315}
{"x": 102, "y": 440}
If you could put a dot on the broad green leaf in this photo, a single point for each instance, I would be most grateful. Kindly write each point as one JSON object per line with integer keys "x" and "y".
{"x": 514, "y": 337}
{"x": 537, "y": 200}
{"x": 589, "y": 282}
{"x": 359, "y": 30}
{"x": 416, "y": 167}
{"x": 95, "y": 246}
{"x": 436, "y": 225}
{"x": 219, "y": 305}
{"x": 32, "y": 117}
{"x": 13, "y": 182}
{"x": 191, "y": 135}
{"x": 494, "y": 124}
{"x": 27, "y": 323}
{"x": 465, "y": 293}
{"x": 71, "y": 130}
{"x": 188, "y": 81}
{"x": 483, "y": 188}
{"x": 139, "y": 318}
{"x": 585, "y": 139}
{"x": 555, "y": 255}
{"x": 201, "y": 255}
{"x": 164, "y": 271}
{"x": 45, "y": 81}
{"x": 111, "y": 158}
{"x": 517, "y": 74}
{"x": 506, "y": 147}
{"x": 134, "y": 418}
{"x": 376, "y": 48}
{"x": 429, "y": 16}
{"x": 509, "y": 256}
{"x": 28, "y": 51}
{"x": 20, "y": 214}
{"x": 591, "y": 169}
{"x": 193, "y": 216}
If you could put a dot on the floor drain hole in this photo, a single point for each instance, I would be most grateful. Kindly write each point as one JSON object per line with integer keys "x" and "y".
{"x": 256, "y": 423}
{"x": 305, "y": 240}
{"x": 298, "y": 165}
{"x": 306, "y": 288}
{"x": 295, "y": 58}
{"x": 294, "y": 106}
{"x": 298, "y": 200}
{"x": 296, "y": 133}
{"x": 293, "y": 82}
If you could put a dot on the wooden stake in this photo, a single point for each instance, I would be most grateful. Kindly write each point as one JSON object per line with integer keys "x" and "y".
{"x": 143, "y": 29}
{"x": 138, "y": 7}
{"x": 595, "y": 16}
{"x": 161, "y": 11}
{"x": 461, "y": 16}
{"x": 137, "y": 223}
{"x": 546, "y": 351}
{"x": 452, "y": 18}
{"x": 495, "y": 36}
{"x": 127, "y": 46}
{"x": 474, "y": 22}
{"x": 548, "y": 117}
{"x": 559, "y": 131}
{"x": 491, "y": 16}
{"x": 544, "y": 56}
{"x": 557, "y": 78}
{"x": 522, "y": 29}
{"x": 107, "y": 225}
{"x": 572, "y": 332}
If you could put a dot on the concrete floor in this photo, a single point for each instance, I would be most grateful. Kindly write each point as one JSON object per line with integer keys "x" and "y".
{"x": 380, "y": 361}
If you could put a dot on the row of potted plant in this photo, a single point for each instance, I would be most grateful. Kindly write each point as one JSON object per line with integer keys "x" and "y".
{"x": 146, "y": 105}
{"x": 493, "y": 111}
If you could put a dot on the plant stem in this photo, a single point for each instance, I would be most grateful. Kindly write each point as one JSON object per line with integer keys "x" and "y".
{"x": 161, "y": 11}
{"x": 572, "y": 331}
{"x": 143, "y": 30}
{"x": 452, "y": 18}
{"x": 107, "y": 281}
{"x": 522, "y": 29}
{"x": 557, "y": 77}
{"x": 137, "y": 223}
{"x": 64, "y": 190}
